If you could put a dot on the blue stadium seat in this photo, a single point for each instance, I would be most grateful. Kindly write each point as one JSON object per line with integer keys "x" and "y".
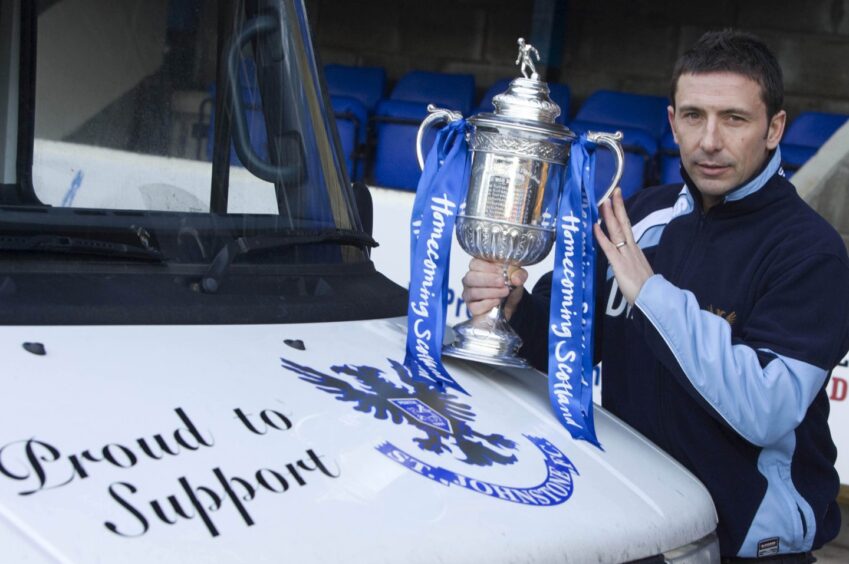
{"x": 452, "y": 91}
{"x": 641, "y": 119}
{"x": 559, "y": 93}
{"x": 366, "y": 84}
{"x": 670, "y": 160}
{"x": 623, "y": 109}
{"x": 396, "y": 126}
{"x": 354, "y": 94}
{"x": 351, "y": 121}
{"x": 350, "y": 112}
{"x": 397, "y": 121}
{"x": 805, "y": 135}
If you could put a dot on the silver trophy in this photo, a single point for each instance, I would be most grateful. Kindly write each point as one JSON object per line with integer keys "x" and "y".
{"x": 518, "y": 154}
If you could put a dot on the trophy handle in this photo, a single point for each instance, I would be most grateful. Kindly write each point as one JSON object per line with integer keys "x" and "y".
{"x": 435, "y": 114}
{"x": 612, "y": 142}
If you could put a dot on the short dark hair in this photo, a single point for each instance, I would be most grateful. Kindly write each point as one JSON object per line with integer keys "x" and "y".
{"x": 738, "y": 52}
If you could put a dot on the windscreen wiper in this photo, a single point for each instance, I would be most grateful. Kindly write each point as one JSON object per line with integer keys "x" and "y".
{"x": 244, "y": 245}
{"x": 76, "y": 245}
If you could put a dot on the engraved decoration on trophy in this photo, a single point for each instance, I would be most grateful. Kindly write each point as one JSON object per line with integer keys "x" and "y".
{"x": 519, "y": 156}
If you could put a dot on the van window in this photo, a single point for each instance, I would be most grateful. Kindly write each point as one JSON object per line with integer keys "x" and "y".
{"x": 125, "y": 105}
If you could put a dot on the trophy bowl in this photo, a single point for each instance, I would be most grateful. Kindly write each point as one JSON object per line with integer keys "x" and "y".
{"x": 518, "y": 158}
{"x": 507, "y": 219}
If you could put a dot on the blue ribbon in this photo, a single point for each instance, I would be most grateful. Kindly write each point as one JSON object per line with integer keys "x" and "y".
{"x": 438, "y": 198}
{"x": 441, "y": 189}
{"x": 570, "y": 345}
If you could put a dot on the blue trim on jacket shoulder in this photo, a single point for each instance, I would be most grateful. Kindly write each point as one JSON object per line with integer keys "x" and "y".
{"x": 762, "y": 404}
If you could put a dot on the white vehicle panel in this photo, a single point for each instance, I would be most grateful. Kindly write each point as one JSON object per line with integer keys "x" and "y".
{"x": 98, "y": 390}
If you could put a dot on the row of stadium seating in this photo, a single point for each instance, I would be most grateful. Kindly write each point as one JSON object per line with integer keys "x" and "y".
{"x": 378, "y": 132}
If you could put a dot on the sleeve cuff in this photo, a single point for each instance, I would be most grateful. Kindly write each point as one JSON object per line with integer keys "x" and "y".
{"x": 652, "y": 296}
{"x": 653, "y": 292}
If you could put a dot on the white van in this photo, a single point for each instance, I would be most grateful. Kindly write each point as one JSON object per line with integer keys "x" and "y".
{"x": 200, "y": 362}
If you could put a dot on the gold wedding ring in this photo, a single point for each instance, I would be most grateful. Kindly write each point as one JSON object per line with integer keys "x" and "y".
{"x": 621, "y": 244}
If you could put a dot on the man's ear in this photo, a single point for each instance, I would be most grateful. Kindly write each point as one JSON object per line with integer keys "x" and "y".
{"x": 775, "y": 129}
{"x": 670, "y": 113}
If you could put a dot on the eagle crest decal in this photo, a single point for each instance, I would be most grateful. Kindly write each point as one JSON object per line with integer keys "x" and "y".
{"x": 444, "y": 425}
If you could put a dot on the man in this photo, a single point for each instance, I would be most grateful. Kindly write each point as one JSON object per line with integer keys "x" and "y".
{"x": 725, "y": 308}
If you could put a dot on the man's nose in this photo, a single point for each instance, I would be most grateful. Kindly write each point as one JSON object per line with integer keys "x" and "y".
{"x": 711, "y": 137}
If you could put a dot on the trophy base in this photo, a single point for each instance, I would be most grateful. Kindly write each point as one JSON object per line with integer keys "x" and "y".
{"x": 488, "y": 339}
{"x": 506, "y": 360}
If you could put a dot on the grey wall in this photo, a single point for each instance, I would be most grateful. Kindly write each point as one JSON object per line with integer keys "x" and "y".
{"x": 465, "y": 36}
{"x": 85, "y": 63}
{"x": 822, "y": 183}
{"x": 624, "y": 45}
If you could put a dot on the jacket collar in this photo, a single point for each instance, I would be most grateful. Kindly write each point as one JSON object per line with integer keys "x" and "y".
{"x": 771, "y": 167}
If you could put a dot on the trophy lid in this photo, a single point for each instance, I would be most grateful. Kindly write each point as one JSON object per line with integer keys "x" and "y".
{"x": 526, "y": 104}
{"x": 527, "y": 99}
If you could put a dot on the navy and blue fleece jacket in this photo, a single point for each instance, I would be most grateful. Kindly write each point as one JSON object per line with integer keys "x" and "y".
{"x": 724, "y": 358}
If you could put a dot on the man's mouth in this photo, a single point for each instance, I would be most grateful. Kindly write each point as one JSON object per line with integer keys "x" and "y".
{"x": 712, "y": 169}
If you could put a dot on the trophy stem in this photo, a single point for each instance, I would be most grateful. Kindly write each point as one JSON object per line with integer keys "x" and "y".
{"x": 488, "y": 338}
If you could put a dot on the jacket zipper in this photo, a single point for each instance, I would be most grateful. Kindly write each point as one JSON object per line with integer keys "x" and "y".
{"x": 662, "y": 375}
{"x": 685, "y": 261}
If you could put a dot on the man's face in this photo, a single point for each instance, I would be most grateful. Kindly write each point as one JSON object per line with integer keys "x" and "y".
{"x": 720, "y": 124}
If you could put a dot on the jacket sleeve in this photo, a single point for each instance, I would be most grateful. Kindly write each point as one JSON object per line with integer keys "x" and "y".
{"x": 762, "y": 383}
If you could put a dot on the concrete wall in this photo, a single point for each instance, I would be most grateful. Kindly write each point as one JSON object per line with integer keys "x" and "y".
{"x": 616, "y": 44}
{"x": 463, "y": 36}
{"x": 822, "y": 183}
{"x": 85, "y": 63}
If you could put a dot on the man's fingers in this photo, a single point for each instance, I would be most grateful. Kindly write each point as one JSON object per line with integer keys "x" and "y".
{"x": 622, "y": 217}
{"x": 518, "y": 276}
{"x": 476, "y": 294}
{"x": 611, "y": 222}
{"x": 480, "y": 265}
{"x": 482, "y": 275}
{"x": 608, "y": 248}
{"x": 482, "y": 306}
{"x": 616, "y": 221}
{"x": 477, "y": 279}
{"x": 485, "y": 285}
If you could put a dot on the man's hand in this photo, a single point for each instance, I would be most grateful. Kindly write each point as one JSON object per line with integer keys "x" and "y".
{"x": 629, "y": 264}
{"x": 484, "y": 287}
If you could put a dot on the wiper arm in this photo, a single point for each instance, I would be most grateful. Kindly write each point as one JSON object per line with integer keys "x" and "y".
{"x": 244, "y": 245}
{"x": 75, "y": 245}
